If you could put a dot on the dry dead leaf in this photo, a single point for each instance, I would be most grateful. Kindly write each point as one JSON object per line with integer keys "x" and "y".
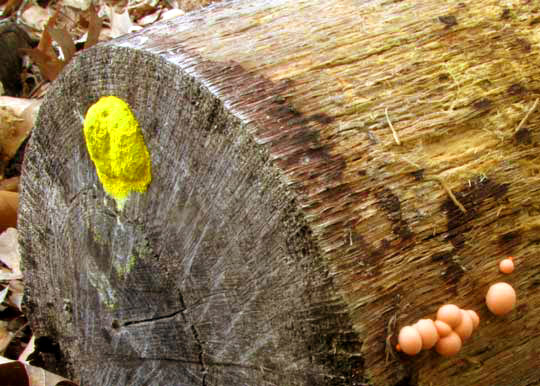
{"x": 141, "y": 8}
{"x": 149, "y": 19}
{"x": 44, "y": 55}
{"x": 94, "y": 27}
{"x": 17, "y": 116}
{"x": 6, "y": 336}
{"x": 9, "y": 204}
{"x": 13, "y": 373}
{"x": 28, "y": 350}
{"x": 17, "y": 373}
{"x": 3, "y": 295}
{"x": 8, "y": 275}
{"x": 121, "y": 23}
{"x": 16, "y": 289}
{"x": 82, "y": 5}
{"x": 36, "y": 17}
{"x": 10, "y": 184}
{"x": 172, "y": 13}
{"x": 9, "y": 251}
{"x": 45, "y": 43}
{"x": 49, "y": 66}
{"x": 11, "y": 7}
{"x": 18, "y": 105}
{"x": 64, "y": 40}
{"x": 13, "y": 132}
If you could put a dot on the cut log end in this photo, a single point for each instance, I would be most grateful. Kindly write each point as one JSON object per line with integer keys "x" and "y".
{"x": 211, "y": 277}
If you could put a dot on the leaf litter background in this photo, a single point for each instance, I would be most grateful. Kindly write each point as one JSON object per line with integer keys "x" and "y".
{"x": 37, "y": 39}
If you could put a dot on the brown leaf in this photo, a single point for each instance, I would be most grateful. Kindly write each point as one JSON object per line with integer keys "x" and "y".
{"x": 6, "y": 336}
{"x": 28, "y": 350}
{"x": 16, "y": 289}
{"x": 64, "y": 40}
{"x": 14, "y": 374}
{"x": 9, "y": 203}
{"x": 94, "y": 27}
{"x": 49, "y": 66}
{"x": 9, "y": 254}
{"x": 11, "y": 7}
{"x": 121, "y": 23}
{"x": 10, "y": 184}
{"x": 15, "y": 126}
{"x": 35, "y": 17}
{"x": 45, "y": 43}
{"x": 17, "y": 105}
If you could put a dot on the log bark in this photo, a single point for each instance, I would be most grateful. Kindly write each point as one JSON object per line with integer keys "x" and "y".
{"x": 324, "y": 173}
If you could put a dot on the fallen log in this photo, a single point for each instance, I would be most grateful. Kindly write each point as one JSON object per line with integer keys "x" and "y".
{"x": 323, "y": 173}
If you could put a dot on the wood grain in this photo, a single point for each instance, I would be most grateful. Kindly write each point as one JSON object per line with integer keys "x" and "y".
{"x": 286, "y": 235}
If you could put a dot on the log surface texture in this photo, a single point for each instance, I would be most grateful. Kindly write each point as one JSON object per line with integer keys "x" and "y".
{"x": 286, "y": 235}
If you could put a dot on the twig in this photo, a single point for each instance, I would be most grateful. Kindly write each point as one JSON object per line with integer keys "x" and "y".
{"x": 526, "y": 116}
{"x": 449, "y": 192}
{"x": 391, "y": 127}
{"x": 443, "y": 184}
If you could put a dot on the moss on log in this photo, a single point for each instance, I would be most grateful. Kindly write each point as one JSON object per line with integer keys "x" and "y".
{"x": 324, "y": 173}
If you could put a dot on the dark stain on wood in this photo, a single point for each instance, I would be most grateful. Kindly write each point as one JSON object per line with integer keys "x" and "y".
{"x": 516, "y": 89}
{"x": 444, "y": 77}
{"x": 471, "y": 197}
{"x": 509, "y": 241}
{"x": 418, "y": 174}
{"x": 524, "y": 44}
{"x": 390, "y": 203}
{"x": 369, "y": 256}
{"x": 482, "y": 104}
{"x": 292, "y": 136}
{"x": 534, "y": 21}
{"x": 448, "y": 20}
{"x": 523, "y": 136}
{"x": 453, "y": 271}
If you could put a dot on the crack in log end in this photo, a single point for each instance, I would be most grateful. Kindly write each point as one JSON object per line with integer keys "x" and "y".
{"x": 201, "y": 354}
{"x": 471, "y": 197}
{"x": 153, "y": 319}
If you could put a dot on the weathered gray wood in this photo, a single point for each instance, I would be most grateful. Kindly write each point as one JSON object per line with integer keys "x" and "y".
{"x": 286, "y": 235}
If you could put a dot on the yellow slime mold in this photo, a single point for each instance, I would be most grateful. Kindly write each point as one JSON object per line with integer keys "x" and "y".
{"x": 116, "y": 146}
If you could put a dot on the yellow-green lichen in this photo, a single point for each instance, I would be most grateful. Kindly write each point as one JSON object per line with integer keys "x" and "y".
{"x": 124, "y": 265}
{"x": 116, "y": 146}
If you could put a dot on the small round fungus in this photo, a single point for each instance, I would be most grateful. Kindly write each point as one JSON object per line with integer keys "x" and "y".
{"x": 428, "y": 332}
{"x": 465, "y": 328}
{"x": 449, "y": 345}
{"x": 475, "y": 318}
{"x": 410, "y": 340}
{"x": 442, "y": 328}
{"x": 507, "y": 265}
{"x": 501, "y": 298}
{"x": 450, "y": 314}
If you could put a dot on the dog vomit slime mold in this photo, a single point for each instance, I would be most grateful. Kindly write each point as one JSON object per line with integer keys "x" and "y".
{"x": 116, "y": 146}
